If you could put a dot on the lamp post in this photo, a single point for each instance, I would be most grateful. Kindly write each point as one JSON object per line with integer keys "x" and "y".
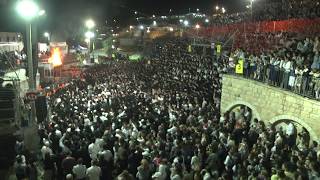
{"x": 88, "y": 36}
{"x": 251, "y": 7}
{"x": 28, "y": 10}
{"x": 47, "y": 35}
{"x": 197, "y": 28}
{"x": 89, "y": 24}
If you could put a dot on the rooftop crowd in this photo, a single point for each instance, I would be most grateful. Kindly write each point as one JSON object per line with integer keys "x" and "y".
{"x": 160, "y": 119}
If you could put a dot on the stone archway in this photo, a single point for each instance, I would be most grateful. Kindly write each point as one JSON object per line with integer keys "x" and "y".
{"x": 255, "y": 113}
{"x": 280, "y": 118}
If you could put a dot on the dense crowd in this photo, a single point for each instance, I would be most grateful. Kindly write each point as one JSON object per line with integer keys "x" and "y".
{"x": 160, "y": 119}
{"x": 293, "y": 65}
{"x": 286, "y": 9}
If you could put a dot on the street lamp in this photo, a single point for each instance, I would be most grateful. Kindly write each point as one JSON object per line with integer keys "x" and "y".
{"x": 207, "y": 21}
{"x": 186, "y": 23}
{"x": 197, "y": 26}
{"x": 90, "y": 24}
{"x": 28, "y": 10}
{"x": 47, "y": 35}
{"x": 217, "y": 8}
{"x": 88, "y": 36}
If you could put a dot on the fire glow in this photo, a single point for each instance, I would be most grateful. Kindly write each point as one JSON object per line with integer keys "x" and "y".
{"x": 55, "y": 58}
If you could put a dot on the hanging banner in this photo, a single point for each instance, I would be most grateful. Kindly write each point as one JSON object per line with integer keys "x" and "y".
{"x": 239, "y": 67}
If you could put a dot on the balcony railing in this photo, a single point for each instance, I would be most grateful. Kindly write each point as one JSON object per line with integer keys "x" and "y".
{"x": 299, "y": 81}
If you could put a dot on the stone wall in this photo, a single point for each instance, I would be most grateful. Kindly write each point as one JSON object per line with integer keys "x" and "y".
{"x": 271, "y": 104}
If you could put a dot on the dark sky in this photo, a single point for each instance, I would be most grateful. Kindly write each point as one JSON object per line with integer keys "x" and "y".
{"x": 72, "y": 13}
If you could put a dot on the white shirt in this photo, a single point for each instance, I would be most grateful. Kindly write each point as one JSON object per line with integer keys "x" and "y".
{"x": 45, "y": 150}
{"x": 79, "y": 171}
{"x": 93, "y": 173}
{"x": 93, "y": 150}
{"x": 290, "y": 129}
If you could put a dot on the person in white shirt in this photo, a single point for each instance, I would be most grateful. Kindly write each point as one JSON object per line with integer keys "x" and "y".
{"x": 290, "y": 129}
{"x": 93, "y": 172}
{"x": 79, "y": 170}
{"x": 287, "y": 68}
{"x": 46, "y": 149}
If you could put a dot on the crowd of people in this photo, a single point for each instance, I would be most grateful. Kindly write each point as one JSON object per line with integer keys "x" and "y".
{"x": 293, "y": 65}
{"x": 285, "y": 9}
{"x": 160, "y": 119}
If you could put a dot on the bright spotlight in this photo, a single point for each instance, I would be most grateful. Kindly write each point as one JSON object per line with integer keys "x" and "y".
{"x": 90, "y": 23}
{"x": 186, "y": 23}
{"x": 217, "y": 8}
{"x": 141, "y": 27}
{"x": 181, "y": 20}
{"x": 28, "y": 9}
{"x": 46, "y": 34}
{"x": 207, "y": 20}
{"x": 154, "y": 23}
{"x": 197, "y": 26}
{"x": 171, "y": 29}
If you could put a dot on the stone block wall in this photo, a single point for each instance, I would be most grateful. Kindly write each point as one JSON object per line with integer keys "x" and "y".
{"x": 271, "y": 104}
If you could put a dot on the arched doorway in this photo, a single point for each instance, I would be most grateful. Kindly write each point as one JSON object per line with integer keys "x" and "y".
{"x": 241, "y": 111}
{"x": 300, "y": 133}
{"x": 254, "y": 112}
{"x": 300, "y": 125}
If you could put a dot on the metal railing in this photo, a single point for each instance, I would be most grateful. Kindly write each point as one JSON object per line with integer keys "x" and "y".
{"x": 302, "y": 82}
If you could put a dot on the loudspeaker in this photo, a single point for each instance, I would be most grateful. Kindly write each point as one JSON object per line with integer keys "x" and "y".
{"x": 41, "y": 108}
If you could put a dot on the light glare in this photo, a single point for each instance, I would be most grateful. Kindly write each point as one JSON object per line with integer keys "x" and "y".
{"x": 89, "y": 34}
{"x": 186, "y": 23}
{"x": 90, "y": 23}
{"x": 28, "y": 9}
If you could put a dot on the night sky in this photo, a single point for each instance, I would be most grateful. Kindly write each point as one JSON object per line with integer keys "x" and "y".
{"x": 61, "y": 14}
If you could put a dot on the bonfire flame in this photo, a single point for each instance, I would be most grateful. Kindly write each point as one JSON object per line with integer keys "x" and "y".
{"x": 55, "y": 58}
